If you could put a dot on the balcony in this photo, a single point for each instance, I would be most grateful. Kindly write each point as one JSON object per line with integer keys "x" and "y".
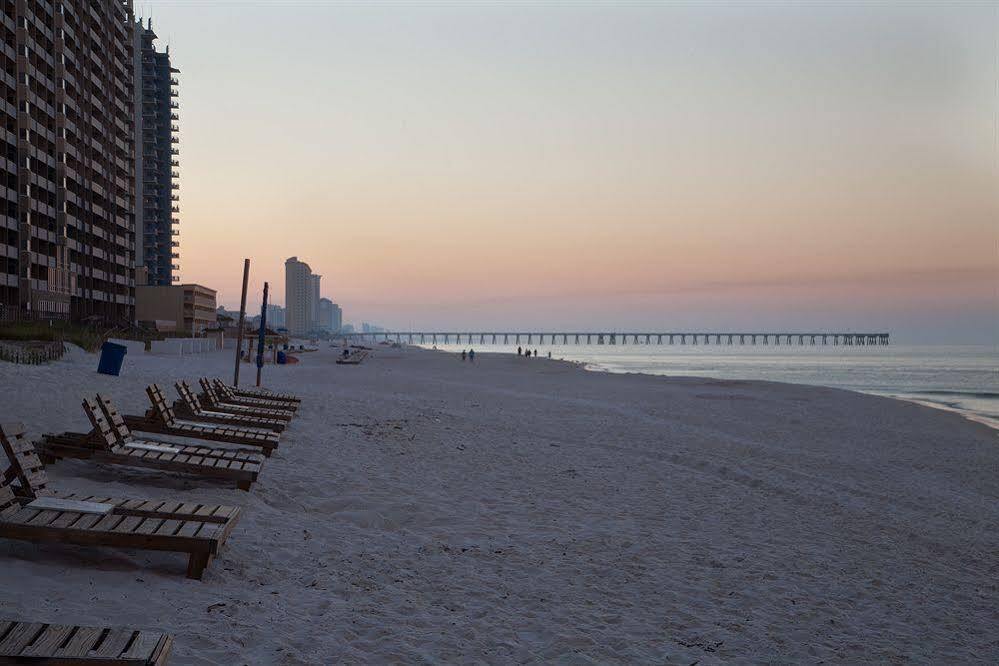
{"x": 174, "y": 127}
{"x": 174, "y": 104}
{"x": 174, "y": 139}
{"x": 173, "y": 93}
{"x": 174, "y": 197}
{"x": 174, "y": 116}
{"x": 174, "y": 186}
{"x": 175, "y": 151}
{"x": 175, "y": 209}
{"x": 175, "y": 232}
{"x": 174, "y": 81}
{"x": 175, "y": 163}
{"x": 175, "y": 174}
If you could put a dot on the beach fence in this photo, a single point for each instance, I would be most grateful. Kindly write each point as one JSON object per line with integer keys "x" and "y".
{"x": 182, "y": 346}
{"x": 33, "y": 354}
{"x": 133, "y": 346}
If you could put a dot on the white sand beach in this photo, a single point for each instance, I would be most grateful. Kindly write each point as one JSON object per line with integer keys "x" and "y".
{"x": 421, "y": 509}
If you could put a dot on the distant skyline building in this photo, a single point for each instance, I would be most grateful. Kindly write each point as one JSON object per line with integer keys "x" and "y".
{"x": 299, "y": 294}
{"x": 275, "y": 316}
{"x": 67, "y": 162}
{"x": 156, "y": 160}
{"x": 337, "y": 323}
{"x": 325, "y": 314}
{"x": 314, "y": 298}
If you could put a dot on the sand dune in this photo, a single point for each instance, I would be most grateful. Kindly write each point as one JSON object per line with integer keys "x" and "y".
{"x": 425, "y": 509}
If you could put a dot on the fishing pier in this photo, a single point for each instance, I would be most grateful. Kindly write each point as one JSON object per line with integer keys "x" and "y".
{"x": 570, "y": 338}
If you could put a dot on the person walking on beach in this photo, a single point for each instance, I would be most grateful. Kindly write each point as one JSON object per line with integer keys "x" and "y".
{"x": 471, "y": 356}
{"x": 463, "y": 354}
{"x": 535, "y": 353}
{"x": 520, "y": 351}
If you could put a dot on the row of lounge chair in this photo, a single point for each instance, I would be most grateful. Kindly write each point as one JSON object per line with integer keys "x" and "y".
{"x": 353, "y": 358}
{"x": 31, "y": 511}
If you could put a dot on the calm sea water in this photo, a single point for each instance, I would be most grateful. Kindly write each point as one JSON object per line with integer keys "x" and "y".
{"x": 963, "y": 379}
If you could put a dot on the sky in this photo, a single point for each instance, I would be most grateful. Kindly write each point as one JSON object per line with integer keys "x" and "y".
{"x": 594, "y": 166}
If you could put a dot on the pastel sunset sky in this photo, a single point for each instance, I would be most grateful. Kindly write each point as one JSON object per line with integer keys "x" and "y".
{"x": 637, "y": 165}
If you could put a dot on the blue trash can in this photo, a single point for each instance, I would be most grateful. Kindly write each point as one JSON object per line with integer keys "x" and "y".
{"x": 282, "y": 358}
{"x": 112, "y": 358}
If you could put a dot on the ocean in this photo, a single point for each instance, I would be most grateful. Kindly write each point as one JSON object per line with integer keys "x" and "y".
{"x": 963, "y": 379}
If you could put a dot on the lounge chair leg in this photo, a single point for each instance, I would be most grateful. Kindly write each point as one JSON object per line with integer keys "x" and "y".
{"x": 244, "y": 485}
{"x": 197, "y": 564}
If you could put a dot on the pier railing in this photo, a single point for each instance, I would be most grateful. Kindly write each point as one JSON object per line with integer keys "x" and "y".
{"x": 589, "y": 338}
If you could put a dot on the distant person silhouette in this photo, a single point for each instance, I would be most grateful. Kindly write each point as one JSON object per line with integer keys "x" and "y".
{"x": 471, "y": 355}
{"x": 549, "y": 354}
{"x": 535, "y": 353}
{"x": 520, "y": 351}
{"x": 464, "y": 354}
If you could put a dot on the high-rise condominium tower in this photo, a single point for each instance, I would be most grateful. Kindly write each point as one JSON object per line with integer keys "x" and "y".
{"x": 300, "y": 304}
{"x": 67, "y": 176}
{"x": 156, "y": 160}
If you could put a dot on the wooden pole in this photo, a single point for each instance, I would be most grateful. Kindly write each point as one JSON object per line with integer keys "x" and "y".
{"x": 263, "y": 334}
{"x": 242, "y": 320}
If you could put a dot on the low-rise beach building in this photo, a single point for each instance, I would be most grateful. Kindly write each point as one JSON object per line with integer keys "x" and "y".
{"x": 190, "y": 307}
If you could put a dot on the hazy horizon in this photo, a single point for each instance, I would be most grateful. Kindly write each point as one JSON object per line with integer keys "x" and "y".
{"x": 597, "y": 166}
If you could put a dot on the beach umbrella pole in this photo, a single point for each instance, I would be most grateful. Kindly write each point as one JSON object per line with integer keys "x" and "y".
{"x": 242, "y": 321}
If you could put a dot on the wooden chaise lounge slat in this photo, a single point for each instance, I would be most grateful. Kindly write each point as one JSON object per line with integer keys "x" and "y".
{"x": 162, "y": 419}
{"x": 112, "y": 442}
{"x": 197, "y": 530}
{"x": 256, "y": 393}
{"x": 190, "y": 407}
{"x": 73, "y": 645}
{"x": 210, "y": 396}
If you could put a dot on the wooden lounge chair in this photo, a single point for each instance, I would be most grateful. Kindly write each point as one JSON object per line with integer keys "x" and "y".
{"x": 226, "y": 394}
{"x": 210, "y": 396}
{"x": 162, "y": 419}
{"x": 111, "y": 442}
{"x": 72, "y": 645}
{"x": 256, "y": 393}
{"x": 37, "y": 514}
{"x": 189, "y": 407}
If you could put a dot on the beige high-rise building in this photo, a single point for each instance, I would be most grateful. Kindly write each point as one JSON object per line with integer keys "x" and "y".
{"x": 300, "y": 302}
